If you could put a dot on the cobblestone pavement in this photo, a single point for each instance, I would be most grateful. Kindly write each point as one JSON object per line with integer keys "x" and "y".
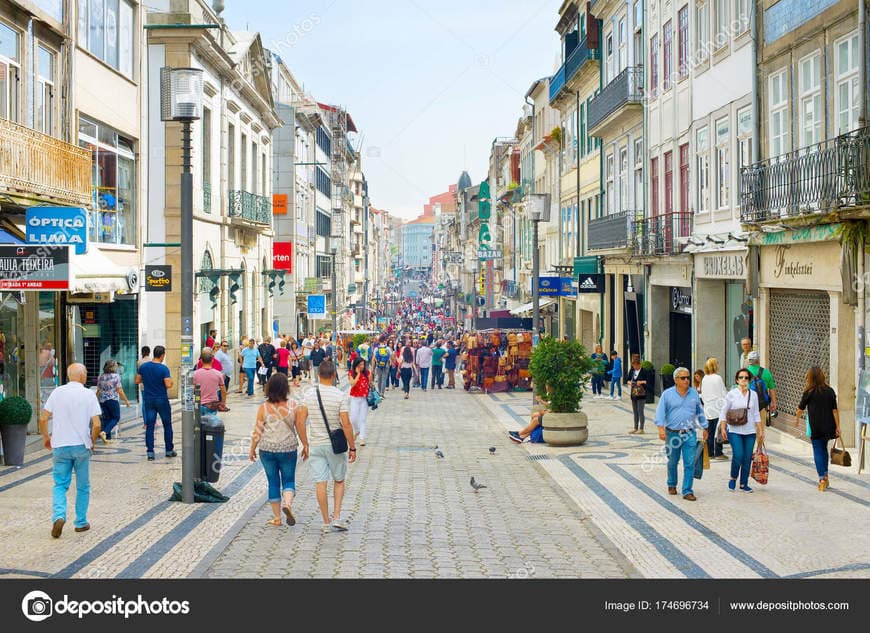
{"x": 600, "y": 510}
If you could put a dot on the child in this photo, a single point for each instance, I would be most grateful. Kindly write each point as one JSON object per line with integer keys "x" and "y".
{"x": 615, "y": 374}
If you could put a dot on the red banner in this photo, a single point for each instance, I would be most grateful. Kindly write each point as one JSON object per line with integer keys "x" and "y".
{"x": 282, "y": 256}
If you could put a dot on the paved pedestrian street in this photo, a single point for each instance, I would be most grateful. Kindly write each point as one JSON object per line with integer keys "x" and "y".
{"x": 600, "y": 510}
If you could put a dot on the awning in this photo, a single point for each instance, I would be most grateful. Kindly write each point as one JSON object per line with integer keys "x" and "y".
{"x": 96, "y": 273}
{"x": 7, "y": 238}
{"x": 527, "y": 307}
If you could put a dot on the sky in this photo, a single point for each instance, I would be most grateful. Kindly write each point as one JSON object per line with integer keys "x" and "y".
{"x": 428, "y": 84}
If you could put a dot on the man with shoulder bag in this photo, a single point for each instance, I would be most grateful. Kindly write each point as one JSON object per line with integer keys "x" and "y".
{"x": 330, "y": 435}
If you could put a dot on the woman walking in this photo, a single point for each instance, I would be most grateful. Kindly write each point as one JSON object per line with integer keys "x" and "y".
{"x": 359, "y": 378}
{"x": 282, "y": 356}
{"x": 740, "y": 418}
{"x": 599, "y": 358}
{"x": 820, "y": 403}
{"x": 640, "y": 380}
{"x": 276, "y": 435}
{"x": 109, "y": 393}
{"x": 295, "y": 362}
{"x": 406, "y": 368}
{"x": 713, "y": 392}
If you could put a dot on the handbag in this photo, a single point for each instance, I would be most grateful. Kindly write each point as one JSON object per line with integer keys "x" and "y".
{"x": 700, "y": 449}
{"x": 760, "y": 464}
{"x": 638, "y": 391}
{"x": 336, "y": 437}
{"x": 739, "y": 417}
{"x": 840, "y": 456}
{"x": 374, "y": 398}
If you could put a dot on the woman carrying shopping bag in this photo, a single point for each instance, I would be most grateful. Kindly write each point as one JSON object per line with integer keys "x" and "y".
{"x": 739, "y": 418}
{"x": 820, "y": 403}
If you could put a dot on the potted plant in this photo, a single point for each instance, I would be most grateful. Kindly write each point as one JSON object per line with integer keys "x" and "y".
{"x": 650, "y": 393}
{"x": 560, "y": 370}
{"x": 667, "y": 373}
{"x": 15, "y": 415}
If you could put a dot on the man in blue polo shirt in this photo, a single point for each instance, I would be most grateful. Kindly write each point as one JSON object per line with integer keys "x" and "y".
{"x": 154, "y": 376}
{"x": 678, "y": 411}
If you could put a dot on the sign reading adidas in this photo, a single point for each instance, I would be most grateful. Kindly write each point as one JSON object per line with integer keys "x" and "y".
{"x": 591, "y": 283}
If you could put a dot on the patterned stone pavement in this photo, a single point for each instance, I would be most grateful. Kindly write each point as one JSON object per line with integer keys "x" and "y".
{"x": 596, "y": 511}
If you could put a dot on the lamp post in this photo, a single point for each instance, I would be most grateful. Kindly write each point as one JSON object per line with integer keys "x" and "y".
{"x": 539, "y": 209}
{"x": 334, "y": 336}
{"x": 181, "y": 100}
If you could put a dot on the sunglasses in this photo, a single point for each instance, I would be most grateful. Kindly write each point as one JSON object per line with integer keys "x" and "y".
{"x": 682, "y": 377}
{"x": 742, "y": 377}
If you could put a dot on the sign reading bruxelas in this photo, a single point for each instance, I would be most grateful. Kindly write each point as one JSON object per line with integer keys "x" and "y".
{"x": 34, "y": 267}
{"x": 282, "y": 256}
{"x": 158, "y": 278}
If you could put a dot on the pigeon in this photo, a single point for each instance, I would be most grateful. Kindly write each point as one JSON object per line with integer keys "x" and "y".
{"x": 492, "y": 450}
{"x": 439, "y": 454}
{"x": 476, "y": 485}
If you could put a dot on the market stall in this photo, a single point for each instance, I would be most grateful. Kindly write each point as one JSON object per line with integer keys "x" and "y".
{"x": 497, "y": 360}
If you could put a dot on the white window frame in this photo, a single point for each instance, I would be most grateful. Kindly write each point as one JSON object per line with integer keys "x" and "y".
{"x": 98, "y": 43}
{"x": 608, "y": 51}
{"x": 744, "y": 141}
{"x": 622, "y": 43}
{"x": 702, "y": 29}
{"x": 810, "y": 99}
{"x": 43, "y": 104}
{"x": 847, "y": 78}
{"x": 722, "y": 24}
{"x": 608, "y": 174}
{"x": 623, "y": 178}
{"x": 11, "y": 69}
{"x": 723, "y": 163}
{"x": 638, "y": 172}
{"x": 702, "y": 172}
{"x": 742, "y": 13}
{"x": 777, "y": 100}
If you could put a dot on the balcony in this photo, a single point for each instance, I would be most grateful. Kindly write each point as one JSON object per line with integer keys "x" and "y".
{"x": 820, "y": 178}
{"x": 250, "y": 207}
{"x": 35, "y": 164}
{"x": 576, "y": 60}
{"x": 659, "y": 234}
{"x": 620, "y": 99}
{"x": 613, "y": 231}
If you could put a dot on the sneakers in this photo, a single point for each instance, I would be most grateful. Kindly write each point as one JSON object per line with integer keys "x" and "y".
{"x": 732, "y": 484}
{"x": 57, "y": 528}
{"x": 515, "y": 437}
{"x": 326, "y": 529}
{"x": 362, "y": 442}
{"x": 150, "y": 457}
{"x": 339, "y": 525}
{"x": 721, "y": 458}
{"x": 746, "y": 488}
{"x": 172, "y": 454}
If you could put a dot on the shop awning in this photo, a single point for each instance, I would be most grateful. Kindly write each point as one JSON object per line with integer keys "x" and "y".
{"x": 7, "y": 238}
{"x": 527, "y": 307}
{"x": 96, "y": 273}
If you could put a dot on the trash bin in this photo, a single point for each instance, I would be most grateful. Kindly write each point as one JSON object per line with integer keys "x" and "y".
{"x": 211, "y": 448}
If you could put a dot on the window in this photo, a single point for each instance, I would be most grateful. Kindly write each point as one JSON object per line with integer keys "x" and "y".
{"x": 105, "y": 29}
{"x": 702, "y": 29}
{"x": 702, "y": 154}
{"x": 231, "y": 157}
{"x": 654, "y": 66}
{"x": 10, "y": 72}
{"x": 622, "y": 42}
{"x": 323, "y": 183}
{"x": 848, "y": 96}
{"x": 669, "y": 182}
{"x": 742, "y": 9}
{"x": 608, "y": 172}
{"x": 609, "y": 74}
{"x": 666, "y": 55}
{"x": 263, "y": 175}
{"x": 810, "y": 99}
{"x": 722, "y": 24}
{"x": 206, "y": 159}
{"x": 638, "y": 173}
{"x": 324, "y": 266}
{"x": 584, "y": 145}
{"x": 113, "y": 218}
{"x": 744, "y": 138}
{"x": 654, "y": 186}
{"x": 683, "y": 46}
{"x": 723, "y": 165}
{"x": 778, "y": 103}
{"x": 324, "y": 223}
{"x": 243, "y": 172}
{"x": 44, "y": 98}
{"x": 638, "y": 33}
{"x": 684, "y": 178}
{"x": 323, "y": 141}
{"x": 255, "y": 181}
{"x": 623, "y": 179}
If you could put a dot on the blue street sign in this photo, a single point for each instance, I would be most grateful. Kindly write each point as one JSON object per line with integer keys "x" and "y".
{"x": 316, "y": 306}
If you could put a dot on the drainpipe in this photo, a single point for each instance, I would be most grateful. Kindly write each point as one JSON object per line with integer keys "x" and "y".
{"x": 581, "y": 223}
{"x": 862, "y": 122}
{"x": 753, "y": 26}
{"x": 531, "y": 103}
{"x": 862, "y": 67}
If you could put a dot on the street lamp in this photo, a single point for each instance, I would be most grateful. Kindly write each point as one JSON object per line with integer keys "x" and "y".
{"x": 539, "y": 210}
{"x": 181, "y": 100}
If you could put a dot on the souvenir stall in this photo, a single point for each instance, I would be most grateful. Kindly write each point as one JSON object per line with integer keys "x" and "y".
{"x": 497, "y": 360}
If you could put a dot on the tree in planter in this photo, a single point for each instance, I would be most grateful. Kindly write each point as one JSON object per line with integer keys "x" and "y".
{"x": 560, "y": 371}
{"x": 15, "y": 413}
{"x": 667, "y": 373}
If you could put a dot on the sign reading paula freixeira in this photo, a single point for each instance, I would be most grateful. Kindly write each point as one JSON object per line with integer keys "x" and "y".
{"x": 158, "y": 278}
{"x": 31, "y": 267}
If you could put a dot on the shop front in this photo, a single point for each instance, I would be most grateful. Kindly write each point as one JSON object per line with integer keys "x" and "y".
{"x": 624, "y": 322}
{"x": 723, "y": 308}
{"x": 670, "y": 313}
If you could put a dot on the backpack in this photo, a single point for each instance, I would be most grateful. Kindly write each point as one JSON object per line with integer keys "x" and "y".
{"x": 758, "y": 385}
{"x": 382, "y": 356}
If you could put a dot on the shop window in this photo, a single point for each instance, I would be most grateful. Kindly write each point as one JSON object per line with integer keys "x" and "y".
{"x": 105, "y": 30}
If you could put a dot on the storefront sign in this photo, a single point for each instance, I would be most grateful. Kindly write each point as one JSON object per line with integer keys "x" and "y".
{"x": 722, "y": 267}
{"x": 34, "y": 267}
{"x": 158, "y": 278}
{"x": 556, "y": 287}
{"x": 813, "y": 266}
{"x": 58, "y": 226}
{"x": 487, "y": 253}
{"x": 483, "y": 213}
{"x": 279, "y": 204}
{"x": 590, "y": 284}
{"x": 786, "y": 266}
{"x": 818, "y": 233}
{"x": 282, "y": 256}
{"x": 681, "y": 300}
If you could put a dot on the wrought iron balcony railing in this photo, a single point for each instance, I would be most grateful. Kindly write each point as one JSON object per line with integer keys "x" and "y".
{"x": 38, "y": 164}
{"x": 579, "y": 56}
{"x": 816, "y": 179}
{"x": 251, "y": 207}
{"x": 613, "y": 231}
{"x": 626, "y": 87}
{"x": 658, "y": 235}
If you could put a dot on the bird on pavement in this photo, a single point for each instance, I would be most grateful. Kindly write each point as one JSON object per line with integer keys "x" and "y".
{"x": 476, "y": 485}
{"x": 492, "y": 450}
{"x": 439, "y": 454}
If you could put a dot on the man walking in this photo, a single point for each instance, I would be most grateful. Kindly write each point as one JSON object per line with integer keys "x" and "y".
{"x": 438, "y": 353}
{"x": 765, "y": 401}
{"x": 250, "y": 359}
{"x": 267, "y": 356}
{"x": 746, "y": 346}
{"x": 325, "y": 464}
{"x": 307, "y": 348}
{"x": 383, "y": 355}
{"x": 75, "y": 414}
{"x": 676, "y": 415}
{"x": 424, "y": 362}
{"x": 226, "y": 361}
{"x": 211, "y": 384}
{"x": 450, "y": 364}
{"x": 154, "y": 376}
{"x": 318, "y": 355}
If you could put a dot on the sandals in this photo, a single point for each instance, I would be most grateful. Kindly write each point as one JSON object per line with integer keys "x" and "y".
{"x": 274, "y": 521}
{"x": 291, "y": 520}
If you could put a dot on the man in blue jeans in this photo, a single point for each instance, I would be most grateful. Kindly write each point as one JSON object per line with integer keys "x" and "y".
{"x": 156, "y": 381}
{"x": 676, "y": 415}
{"x": 75, "y": 414}
{"x": 251, "y": 360}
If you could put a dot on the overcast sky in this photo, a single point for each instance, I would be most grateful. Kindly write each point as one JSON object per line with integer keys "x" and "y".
{"x": 428, "y": 84}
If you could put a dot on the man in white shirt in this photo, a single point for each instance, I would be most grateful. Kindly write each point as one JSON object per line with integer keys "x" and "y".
{"x": 75, "y": 413}
{"x": 226, "y": 361}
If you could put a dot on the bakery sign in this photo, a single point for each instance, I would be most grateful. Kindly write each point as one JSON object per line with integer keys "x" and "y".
{"x": 722, "y": 267}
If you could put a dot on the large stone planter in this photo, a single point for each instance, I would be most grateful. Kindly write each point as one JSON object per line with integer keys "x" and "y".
{"x": 14, "y": 438}
{"x": 565, "y": 429}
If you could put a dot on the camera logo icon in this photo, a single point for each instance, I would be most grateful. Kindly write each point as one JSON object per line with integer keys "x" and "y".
{"x": 37, "y": 606}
